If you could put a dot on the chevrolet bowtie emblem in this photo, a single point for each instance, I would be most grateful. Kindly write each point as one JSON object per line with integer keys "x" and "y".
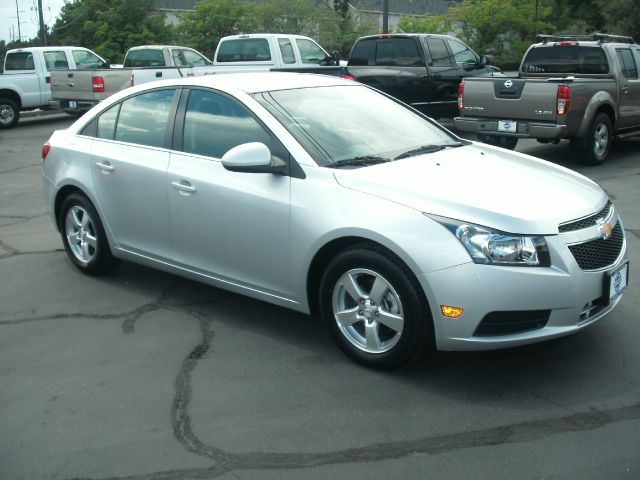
{"x": 605, "y": 229}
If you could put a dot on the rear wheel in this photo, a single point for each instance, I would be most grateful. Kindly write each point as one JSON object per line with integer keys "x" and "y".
{"x": 597, "y": 143}
{"x": 83, "y": 236}
{"x": 9, "y": 113}
{"x": 374, "y": 308}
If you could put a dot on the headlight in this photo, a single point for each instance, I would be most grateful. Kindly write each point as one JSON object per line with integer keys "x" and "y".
{"x": 498, "y": 248}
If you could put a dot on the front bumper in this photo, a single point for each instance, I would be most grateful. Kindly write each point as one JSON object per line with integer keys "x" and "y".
{"x": 568, "y": 297}
{"x": 525, "y": 128}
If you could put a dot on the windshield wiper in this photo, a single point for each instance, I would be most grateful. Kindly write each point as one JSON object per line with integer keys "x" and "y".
{"x": 358, "y": 161}
{"x": 427, "y": 149}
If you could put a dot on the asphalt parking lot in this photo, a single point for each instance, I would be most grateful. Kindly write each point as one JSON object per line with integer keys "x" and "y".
{"x": 145, "y": 375}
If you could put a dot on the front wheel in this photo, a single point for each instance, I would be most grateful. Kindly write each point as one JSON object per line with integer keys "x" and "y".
{"x": 374, "y": 308}
{"x": 9, "y": 113}
{"x": 83, "y": 236}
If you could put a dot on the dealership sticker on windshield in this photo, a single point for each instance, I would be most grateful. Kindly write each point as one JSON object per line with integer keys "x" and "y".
{"x": 508, "y": 126}
{"x": 618, "y": 281}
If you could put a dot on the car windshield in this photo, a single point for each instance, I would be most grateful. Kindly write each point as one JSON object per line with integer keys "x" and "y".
{"x": 353, "y": 125}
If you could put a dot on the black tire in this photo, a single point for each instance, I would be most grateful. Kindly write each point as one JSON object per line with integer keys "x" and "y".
{"x": 596, "y": 145}
{"x": 504, "y": 142}
{"x": 83, "y": 236}
{"x": 9, "y": 113}
{"x": 407, "y": 329}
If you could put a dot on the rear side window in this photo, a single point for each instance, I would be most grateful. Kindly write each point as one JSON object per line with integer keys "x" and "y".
{"x": 565, "y": 59}
{"x": 439, "y": 53}
{"x": 401, "y": 52}
{"x": 107, "y": 123}
{"x": 214, "y": 124}
{"x": 143, "y": 119}
{"x": 244, "y": 50}
{"x": 627, "y": 63}
{"x": 55, "y": 60}
{"x": 144, "y": 58}
{"x": 363, "y": 53}
{"x": 19, "y": 61}
{"x": 286, "y": 49}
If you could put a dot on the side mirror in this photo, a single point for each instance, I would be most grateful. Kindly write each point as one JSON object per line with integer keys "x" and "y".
{"x": 254, "y": 157}
{"x": 484, "y": 59}
{"x": 106, "y": 64}
{"x": 335, "y": 56}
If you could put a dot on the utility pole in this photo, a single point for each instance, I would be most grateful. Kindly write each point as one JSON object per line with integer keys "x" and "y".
{"x": 385, "y": 16}
{"x": 43, "y": 33}
{"x": 18, "y": 17}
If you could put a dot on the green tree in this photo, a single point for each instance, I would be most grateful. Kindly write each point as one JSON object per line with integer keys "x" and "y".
{"x": 212, "y": 20}
{"x": 348, "y": 29}
{"x": 425, "y": 24}
{"x": 621, "y": 17}
{"x": 110, "y": 28}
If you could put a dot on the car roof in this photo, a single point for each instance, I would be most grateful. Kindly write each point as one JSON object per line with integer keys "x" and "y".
{"x": 257, "y": 81}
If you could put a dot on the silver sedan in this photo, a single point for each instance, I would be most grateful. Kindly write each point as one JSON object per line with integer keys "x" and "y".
{"x": 325, "y": 196}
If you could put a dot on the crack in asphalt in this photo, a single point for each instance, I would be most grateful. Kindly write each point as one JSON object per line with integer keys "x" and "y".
{"x": 12, "y": 170}
{"x": 20, "y": 219}
{"x": 633, "y": 231}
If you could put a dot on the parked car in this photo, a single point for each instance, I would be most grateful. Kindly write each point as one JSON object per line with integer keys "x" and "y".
{"x": 274, "y": 52}
{"x": 79, "y": 90}
{"x": 25, "y": 84}
{"x": 422, "y": 70}
{"x": 293, "y": 189}
{"x": 581, "y": 88}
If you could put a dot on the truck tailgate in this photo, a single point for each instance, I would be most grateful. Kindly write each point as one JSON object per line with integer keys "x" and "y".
{"x": 78, "y": 84}
{"x": 510, "y": 98}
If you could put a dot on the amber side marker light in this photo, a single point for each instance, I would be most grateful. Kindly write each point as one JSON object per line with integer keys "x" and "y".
{"x": 451, "y": 312}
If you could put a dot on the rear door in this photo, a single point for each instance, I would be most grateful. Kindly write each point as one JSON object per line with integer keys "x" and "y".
{"x": 129, "y": 158}
{"x": 629, "y": 88}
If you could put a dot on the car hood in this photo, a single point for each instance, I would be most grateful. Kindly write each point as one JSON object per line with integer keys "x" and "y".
{"x": 484, "y": 185}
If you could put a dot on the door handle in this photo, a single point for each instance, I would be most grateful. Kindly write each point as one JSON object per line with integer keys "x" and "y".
{"x": 184, "y": 187}
{"x": 625, "y": 89}
{"x": 105, "y": 167}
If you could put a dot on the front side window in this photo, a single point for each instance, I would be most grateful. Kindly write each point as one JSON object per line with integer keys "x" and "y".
{"x": 86, "y": 60}
{"x": 143, "y": 119}
{"x": 462, "y": 55}
{"x": 627, "y": 63}
{"x": 19, "y": 61}
{"x": 286, "y": 49}
{"x": 244, "y": 50}
{"x": 344, "y": 122}
{"x": 310, "y": 52}
{"x": 55, "y": 60}
{"x": 439, "y": 53}
{"x": 214, "y": 124}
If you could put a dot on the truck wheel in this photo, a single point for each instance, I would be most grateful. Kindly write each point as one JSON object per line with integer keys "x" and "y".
{"x": 597, "y": 143}
{"x": 9, "y": 113}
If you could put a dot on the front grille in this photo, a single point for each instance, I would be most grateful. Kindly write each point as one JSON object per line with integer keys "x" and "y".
{"x": 586, "y": 222}
{"x": 599, "y": 253}
{"x": 510, "y": 322}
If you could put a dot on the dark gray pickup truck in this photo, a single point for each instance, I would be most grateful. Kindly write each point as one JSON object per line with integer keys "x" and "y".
{"x": 582, "y": 88}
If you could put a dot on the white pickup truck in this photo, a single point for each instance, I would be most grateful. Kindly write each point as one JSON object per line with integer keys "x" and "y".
{"x": 25, "y": 84}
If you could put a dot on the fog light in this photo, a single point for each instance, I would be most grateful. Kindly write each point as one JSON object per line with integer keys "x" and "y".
{"x": 451, "y": 312}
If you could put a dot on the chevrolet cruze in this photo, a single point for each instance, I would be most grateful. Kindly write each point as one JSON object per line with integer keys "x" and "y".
{"x": 325, "y": 196}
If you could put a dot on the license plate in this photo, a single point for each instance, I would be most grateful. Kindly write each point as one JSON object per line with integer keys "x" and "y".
{"x": 508, "y": 126}
{"x": 618, "y": 281}
{"x": 73, "y": 104}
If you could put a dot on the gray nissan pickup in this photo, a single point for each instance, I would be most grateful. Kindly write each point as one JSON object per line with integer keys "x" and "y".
{"x": 582, "y": 88}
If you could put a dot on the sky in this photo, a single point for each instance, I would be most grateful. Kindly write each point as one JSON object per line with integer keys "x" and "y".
{"x": 27, "y": 9}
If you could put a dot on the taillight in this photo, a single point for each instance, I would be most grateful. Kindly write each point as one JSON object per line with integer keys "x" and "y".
{"x": 98, "y": 84}
{"x": 461, "y": 96}
{"x": 563, "y": 100}
{"x": 132, "y": 79}
{"x": 45, "y": 150}
{"x": 347, "y": 76}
